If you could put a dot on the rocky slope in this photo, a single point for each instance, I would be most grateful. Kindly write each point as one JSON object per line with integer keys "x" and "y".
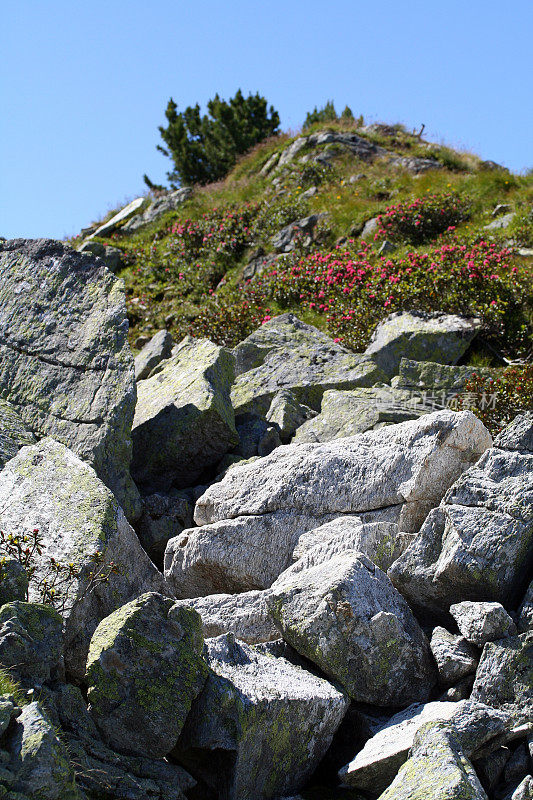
{"x": 282, "y": 566}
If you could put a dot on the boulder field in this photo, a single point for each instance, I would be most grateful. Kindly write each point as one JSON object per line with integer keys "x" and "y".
{"x": 270, "y": 573}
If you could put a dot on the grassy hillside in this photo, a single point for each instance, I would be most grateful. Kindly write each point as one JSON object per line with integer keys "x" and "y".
{"x": 185, "y": 271}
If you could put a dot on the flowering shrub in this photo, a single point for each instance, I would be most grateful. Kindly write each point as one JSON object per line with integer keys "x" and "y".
{"x": 420, "y": 220}
{"x": 355, "y": 290}
{"x": 228, "y": 321}
{"x": 496, "y": 401}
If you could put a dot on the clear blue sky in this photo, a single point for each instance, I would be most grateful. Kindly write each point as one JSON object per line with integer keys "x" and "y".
{"x": 84, "y": 86}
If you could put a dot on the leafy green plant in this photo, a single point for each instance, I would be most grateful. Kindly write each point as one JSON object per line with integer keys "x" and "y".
{"x": 205, "y": 148}
{"x": 521, "y": 227}
{"x": 420, "y": 220}
{"x": 52, "y": 583}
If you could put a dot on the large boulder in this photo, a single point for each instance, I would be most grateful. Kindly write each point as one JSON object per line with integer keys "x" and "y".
{"x": 504, "y": 678}
{"x": 65, "y": 362}
{"x": 13, "y": 433}
{"x": 49, "y": 489}
{"x": 346, "y": 617}
{"x": 261, "y": 724}
{"x": 251, "y": 520}
{"x": 144, "y": 669}
{"x": 184, "y": 421}
{"x": 39, "y": 761}
{"x": 165, "y": 515}
{"x": 347, "y": 413}
{"x": 287, "y": 354}
{"x": 31, "y": 642}
{"x": 437, "y": 767}
{"x": 478, "y": 544}
{"x": 482, "y": 622}
{"x": 245, "y": 615}
{"x": 156, "y": 350}
{"x": 456, "y": 658}
{"x": 159, "y": 206}
{"x": 443, "y": 381}
{"x": 376, "y": 765}
{"x": 421, "y": 336}
{"x": 525, "y": 618}
{"x": 117, "y": 219}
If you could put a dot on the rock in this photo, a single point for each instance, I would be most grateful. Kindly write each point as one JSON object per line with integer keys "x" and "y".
{"x": 47, "y": 488}
{"x": 524, "y": 791}
{"x": 96, "y": 248}
{"x": 491, "y": 767}
{"x": 455, "y": 657}
{"x": 370, "y": 229}
{"x": 301, "y": 230}
{"x": 269, "y": 164}
{"x": 65, "y": 363}
{"x": 420, "y": 336}
{"x": 346, "y": 617}
{"x": 380, "y": 541}
{"x": 386, "y": 247}
{"x": 31, "y": 642}
{"x": 438, "y": 378}
{"x": 258, "y": 265}
{"x": 184, "y": 421}
{"x": 256, "y": 436}
{"x": 39, "y": 759}
{"x": 113, "y": 259}
{"x": 291, "y": 151}
{"x": 437, "y": 767}
{"x": 482, "y": 622}
{"x": 13, "y": 433}
{"x": 309, "y": 193}
{"x": 251, "y": 519}
{"x": 377, "y": 764}
{"x": 501, "y": 208}
{"x": 260, "y": 726}
{"x": 518, "y": 765}
{"x": 101, "y": 772}
{"x": 288, "y": 413}
{"x": 164, "y": 516}
{"x": 156, "y": 350}
{"x": 13, "y": 580}
{"x": 478, "y": 544}
{"x": 111, "y": 224}
{"x": 158, "y": 207}
{"x": 347, "y": 413}
{"x": 505, "y": 676}
{"x": 460, "y": 691}
{"x": 8, "y": 709}
{"x": 525, "y": 619}
{"x": 244, "y": 615}
{"x": 500, "y": 223}
{"x": 144, "y": 669}
{"x": 286, "y": 353}
{"x": 414, "y": 165}
{"x": 518, "y": 435}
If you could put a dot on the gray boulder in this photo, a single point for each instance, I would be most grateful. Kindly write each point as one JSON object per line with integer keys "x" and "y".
{"x": 144, "y": 669}
{"x": 13, "y": 433}
{"x": 437, "y": 767}
{"x": 420, "y": 336}
{"x": 347, "y": 413}
{"x": 525, "y": 619}
{"x": 288, "y": 413}
{"x": 244, "y": 615}
{"x": 158, "y": 207}
{"x": 156, "y": 350}
{"x": 39, "y": 760}
{"x": 504, "y": 678}
{"x": 286, "y": 353}
{"x": 13, "y": 580}
{"x": 478, "y": 544}
{"x": 441, "y": 380}
{"x": 456, "y": 658}
{"x": 65, "y": 363}
{"x": 46, "y": 487}
{"x": 376, "y": 765}
{"x": 184, "y": 421}
{"x": 524, "y": 791}
{"x": 380, "y": 541}
{"x": 482, "y": 622}
{"x": 257, "y": 437}
{"x": 250, "y": 521}
{"x": 112, "y": 224}
{"x": 260, "y": 726}
{"x": 500, "y": 222}
{"x": 31, "y": 642}
{"x": 259, "y": 264}
{"x": 301, "y": 230}
{"x": 346, "y": 617}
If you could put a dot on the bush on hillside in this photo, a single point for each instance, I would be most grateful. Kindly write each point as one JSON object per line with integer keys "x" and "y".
{"x": 205, "y": 148}
{"x": 418, "y": 221}
{"x": 496, "y": 401}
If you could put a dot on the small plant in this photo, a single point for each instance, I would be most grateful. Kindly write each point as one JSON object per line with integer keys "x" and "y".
{"x": 420, "y": 220}
{"x": 53, "y": 583}
{"x": 497, "y": 401}
{"x": 521, "y": 228}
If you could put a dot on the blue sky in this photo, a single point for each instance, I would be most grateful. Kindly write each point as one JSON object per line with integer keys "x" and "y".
{"x": 84, "y": 86}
